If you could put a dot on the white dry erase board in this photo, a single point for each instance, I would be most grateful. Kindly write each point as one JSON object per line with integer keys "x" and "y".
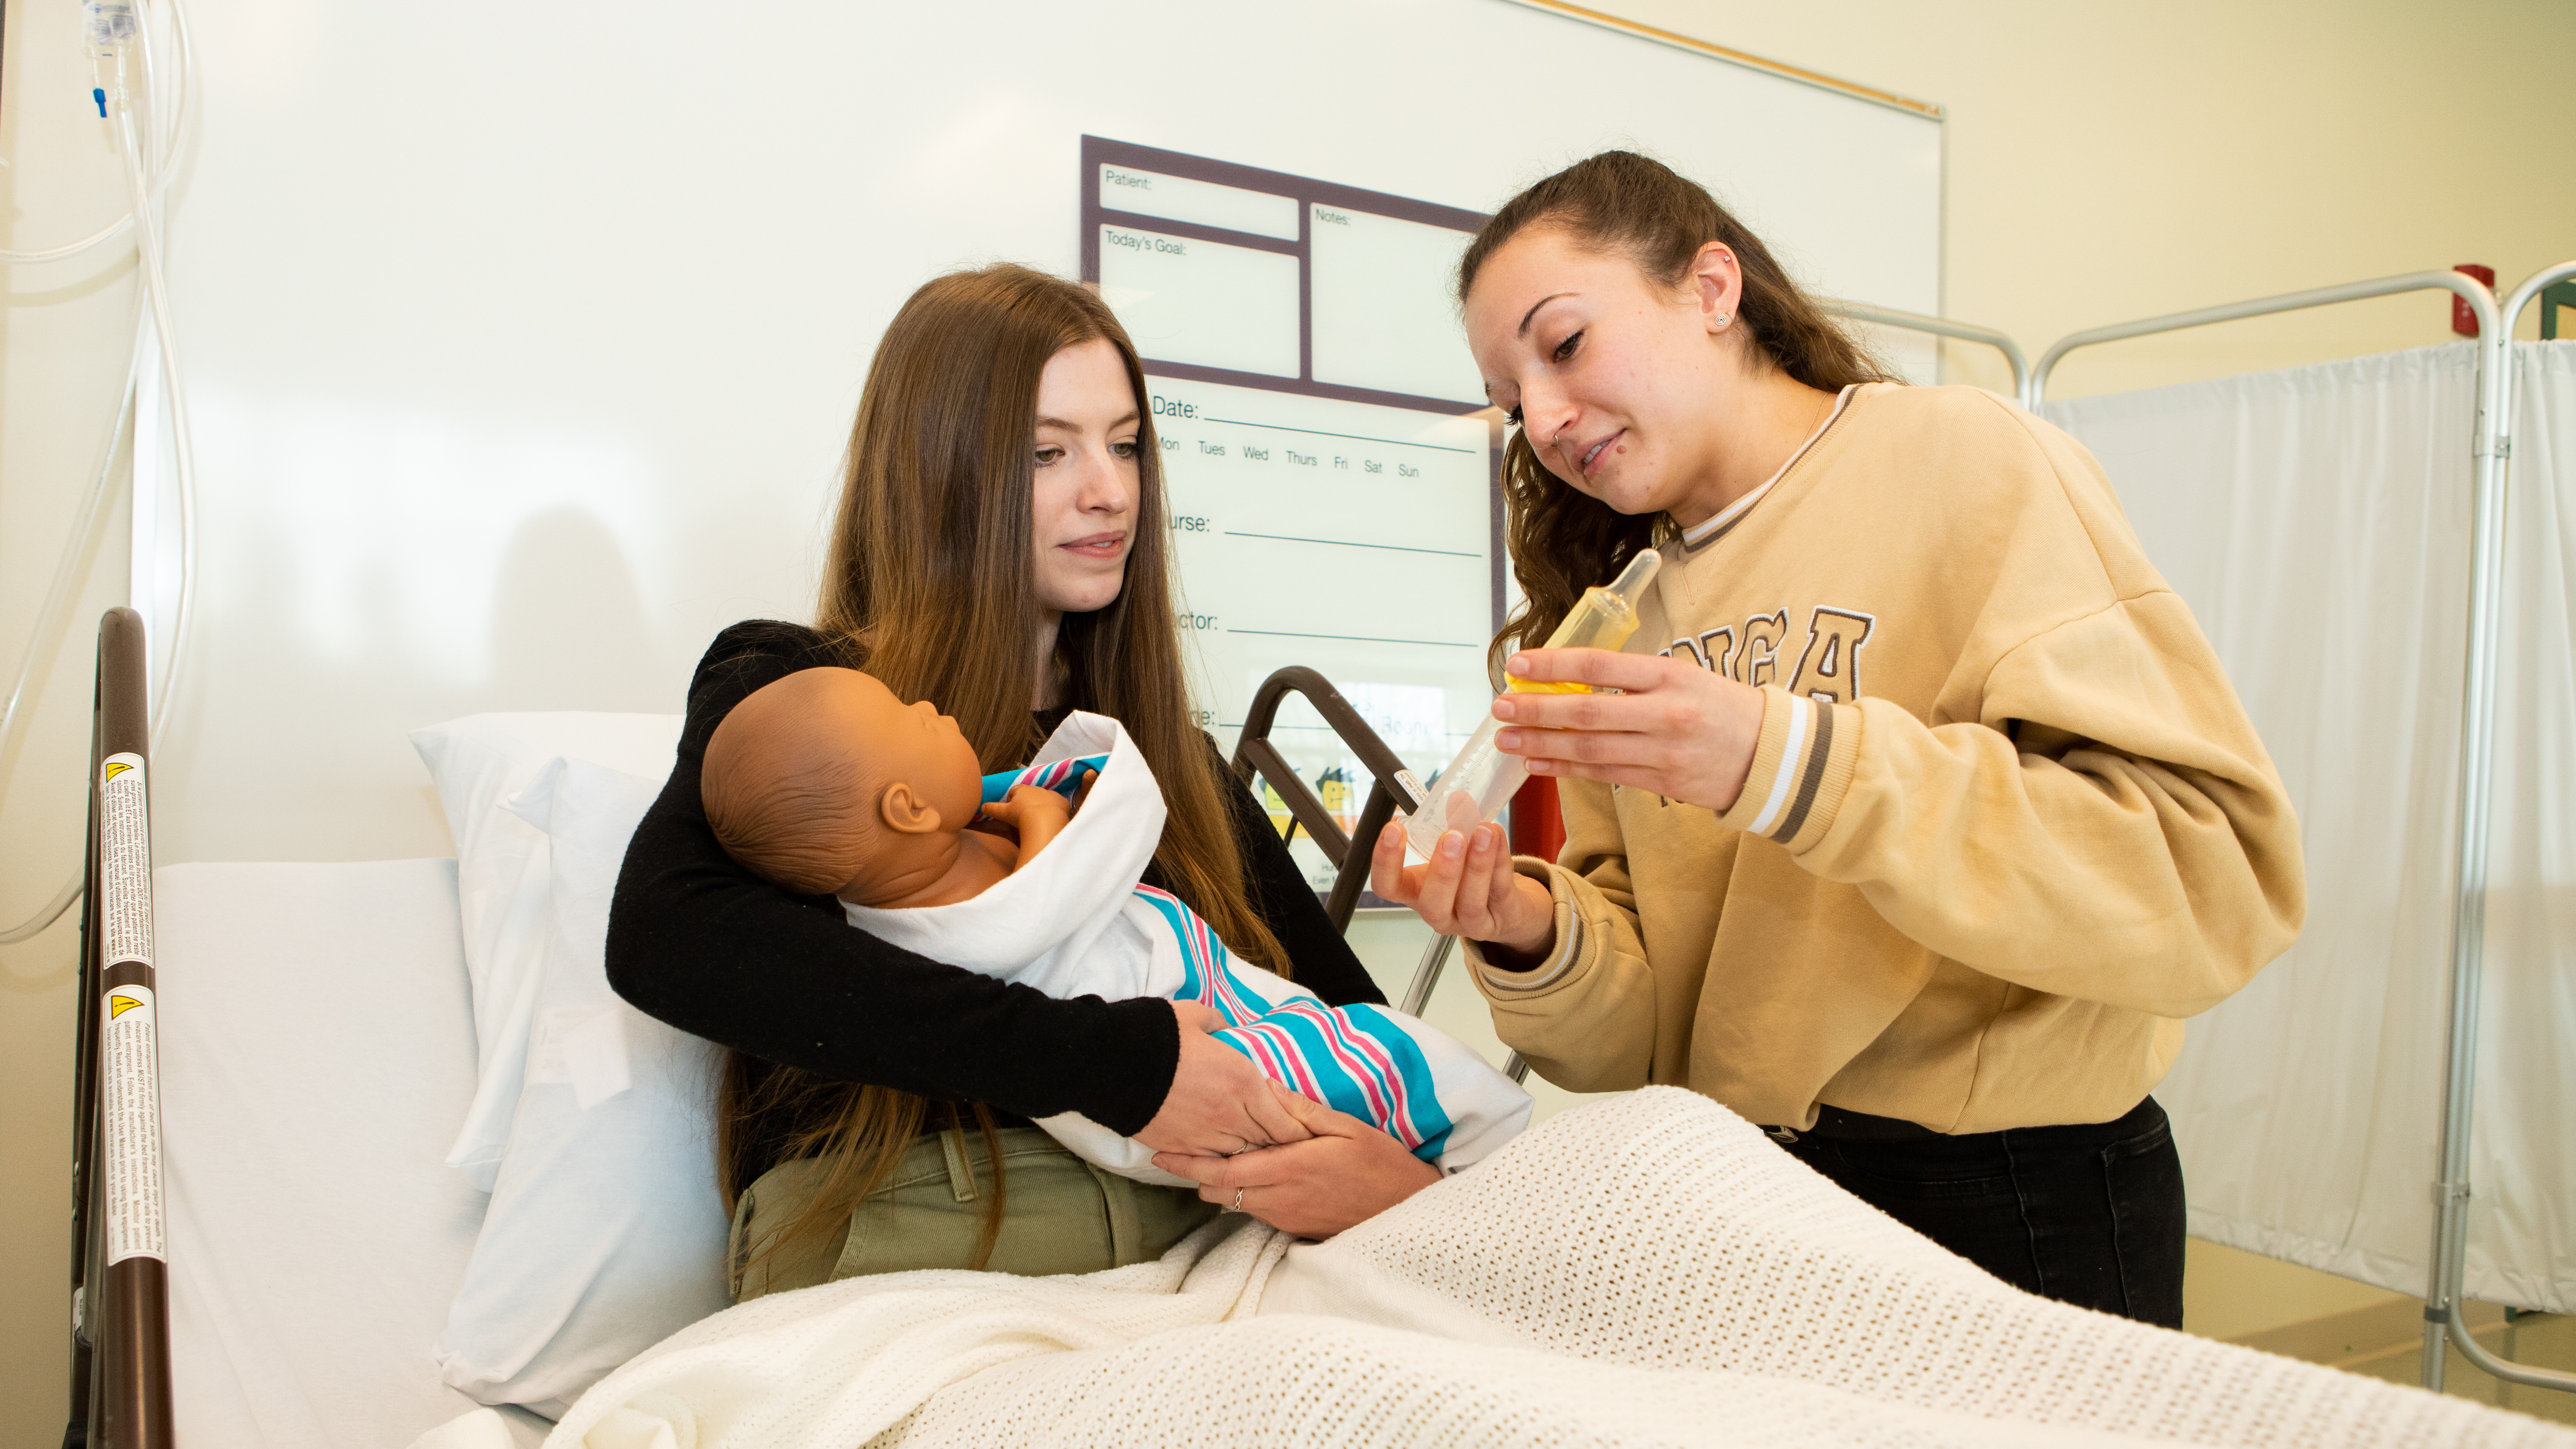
{"x": 523, "y": 340}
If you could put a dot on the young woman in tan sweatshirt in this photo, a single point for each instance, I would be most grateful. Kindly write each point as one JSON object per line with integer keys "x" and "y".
{"x": 1931, "y": 813}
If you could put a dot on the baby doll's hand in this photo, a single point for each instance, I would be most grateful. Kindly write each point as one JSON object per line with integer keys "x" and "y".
{"x": 1029, "y": 805}
{"x": 1036, "y": 812}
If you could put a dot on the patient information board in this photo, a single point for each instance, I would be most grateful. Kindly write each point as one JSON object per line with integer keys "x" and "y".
{"x": 1330, "y": 458}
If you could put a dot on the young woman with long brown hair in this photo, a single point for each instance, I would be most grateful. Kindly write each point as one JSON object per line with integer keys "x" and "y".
{"x": 1000, "y": 549}
{"x": 1933, "y": 815}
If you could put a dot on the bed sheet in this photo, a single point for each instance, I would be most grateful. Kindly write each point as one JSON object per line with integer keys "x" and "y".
{"x": 317, "y": 1052}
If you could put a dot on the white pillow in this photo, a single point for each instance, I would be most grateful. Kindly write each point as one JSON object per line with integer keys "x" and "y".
{"x": 605, "y": 1233}
{"x": 478, "y": 763}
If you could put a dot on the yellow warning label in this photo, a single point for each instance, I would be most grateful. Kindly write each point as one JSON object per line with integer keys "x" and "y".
{"x": 124, "y": 860}
{"x": 130, "y": 1126}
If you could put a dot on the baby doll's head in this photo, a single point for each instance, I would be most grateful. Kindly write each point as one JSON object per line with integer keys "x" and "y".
{"x": 824, "y": 783}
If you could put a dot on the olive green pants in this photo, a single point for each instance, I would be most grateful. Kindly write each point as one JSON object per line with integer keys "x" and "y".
{"x": 1061, "y": 1215}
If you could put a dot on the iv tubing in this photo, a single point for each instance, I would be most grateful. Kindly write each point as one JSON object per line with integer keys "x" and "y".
{"x": 177, "y": 146}
{"x": 51, "y": 619}
{"x": 156, "y": 291}
{"x": 146, "y": 182}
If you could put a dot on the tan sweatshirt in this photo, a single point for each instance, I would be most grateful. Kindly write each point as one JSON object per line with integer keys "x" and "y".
{"x": 2007, "y": 824}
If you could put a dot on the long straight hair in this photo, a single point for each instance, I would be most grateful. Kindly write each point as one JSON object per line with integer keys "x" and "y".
{"x": 928, "y": 585}
{"x": 1562, "y": 539}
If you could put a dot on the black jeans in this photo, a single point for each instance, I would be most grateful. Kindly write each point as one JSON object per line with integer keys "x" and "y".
{"x": 2089, "y": 1215}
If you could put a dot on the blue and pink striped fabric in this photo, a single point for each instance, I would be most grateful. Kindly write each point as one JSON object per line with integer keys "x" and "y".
{"x": 1063, "y": 777}
{"x": 1354, "y": 1059}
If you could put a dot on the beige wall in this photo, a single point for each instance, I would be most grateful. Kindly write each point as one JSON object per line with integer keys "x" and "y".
{"x": 2104, "y": 163}
{"x": 2114, "y": 162}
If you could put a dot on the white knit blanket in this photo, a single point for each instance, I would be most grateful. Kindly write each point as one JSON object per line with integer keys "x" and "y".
{"x": 1644, "y": 1270}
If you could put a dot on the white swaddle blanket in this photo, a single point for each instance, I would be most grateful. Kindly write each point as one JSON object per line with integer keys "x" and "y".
{"x": 1074, "y": 922}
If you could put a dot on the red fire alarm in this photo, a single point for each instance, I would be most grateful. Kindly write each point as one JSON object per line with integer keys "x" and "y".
{"x": 2464, "y": 321}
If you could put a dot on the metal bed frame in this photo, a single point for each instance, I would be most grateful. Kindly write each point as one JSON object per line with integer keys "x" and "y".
{"x": 1391, "y": 784}
{"x": 120, "y": 1389}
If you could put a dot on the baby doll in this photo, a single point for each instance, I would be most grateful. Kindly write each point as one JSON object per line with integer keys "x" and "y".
{"x": 824, "y": 782}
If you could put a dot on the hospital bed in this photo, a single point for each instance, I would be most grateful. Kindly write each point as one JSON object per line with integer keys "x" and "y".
{"x": 316, "y": 1051}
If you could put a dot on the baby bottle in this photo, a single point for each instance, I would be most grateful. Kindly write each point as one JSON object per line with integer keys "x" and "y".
{"x": 1481, "y": 781}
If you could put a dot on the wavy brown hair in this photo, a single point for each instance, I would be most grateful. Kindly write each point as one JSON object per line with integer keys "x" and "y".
{"x": 1563, "y": 540}
{"x": 928, "y": 586}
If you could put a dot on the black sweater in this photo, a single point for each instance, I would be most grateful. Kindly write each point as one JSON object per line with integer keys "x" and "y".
{"x": 699, "y": 942}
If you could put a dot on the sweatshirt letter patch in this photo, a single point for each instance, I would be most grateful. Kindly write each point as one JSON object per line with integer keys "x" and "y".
{"x": 1829, "y": 669}
{"x": 1710, "y": 651}
{"x": 1760, "y": 658}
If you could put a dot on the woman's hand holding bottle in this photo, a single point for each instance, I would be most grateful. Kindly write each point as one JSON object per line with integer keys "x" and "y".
{"x": 1667, "y": 726}
{"x": 1682, "y": 732}
{"x": 1469, "y": 888}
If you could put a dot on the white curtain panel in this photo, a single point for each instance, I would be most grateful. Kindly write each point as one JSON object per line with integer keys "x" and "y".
{"x": 2317, "y": 522}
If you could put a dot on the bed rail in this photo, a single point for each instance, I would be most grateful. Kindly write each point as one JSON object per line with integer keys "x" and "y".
{"x": 1392, "y": 787}
{"x": 120, "y": 1390}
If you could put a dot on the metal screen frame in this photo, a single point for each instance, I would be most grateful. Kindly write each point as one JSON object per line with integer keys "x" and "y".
{"x": 2490, "y": 447}
{"x": 2442, "y": 1319}
{"x": 1939, "y": 327}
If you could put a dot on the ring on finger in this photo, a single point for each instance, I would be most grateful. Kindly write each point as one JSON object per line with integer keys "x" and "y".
{"x": 1238, "y": 1199}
